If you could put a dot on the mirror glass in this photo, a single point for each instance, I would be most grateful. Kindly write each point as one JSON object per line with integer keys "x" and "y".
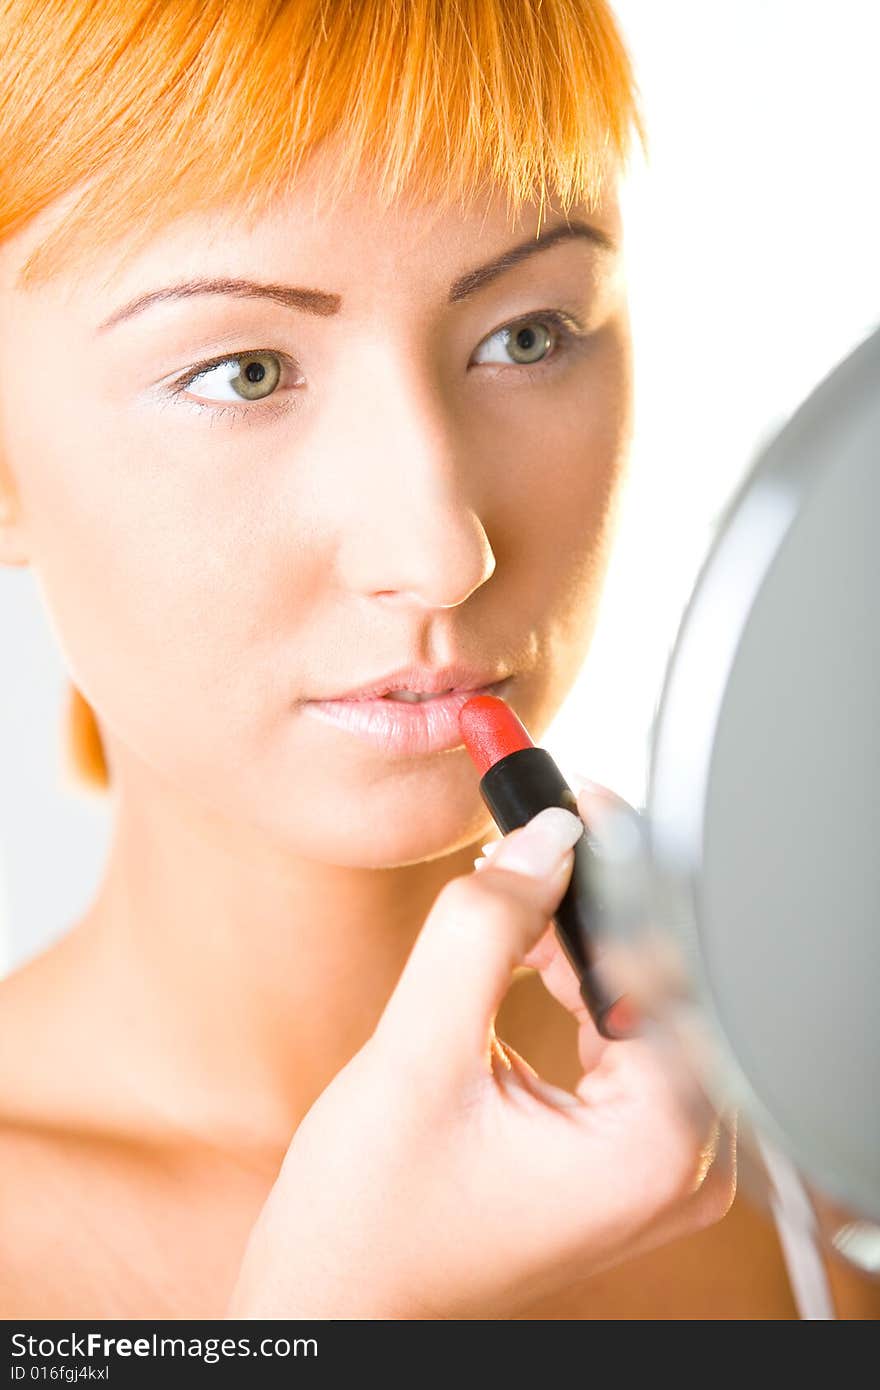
{"x": 752, "y": 890}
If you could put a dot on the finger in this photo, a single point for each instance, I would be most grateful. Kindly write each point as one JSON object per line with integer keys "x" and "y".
{"x": 519, "y": 1077}
{"x": 560, "y": 980}
{"x": 617, "y": 837}
{"x": 597, "y": 805}
{"x": 711, "y": 1199}
{"x": 581, "y": 782}
{"x": 543, "y": 951}
{"x": 440, "y": 1015}
{"x": 689, "y": 1212}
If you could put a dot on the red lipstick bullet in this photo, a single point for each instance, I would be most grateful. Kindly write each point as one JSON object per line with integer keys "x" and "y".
{"x": 517, "y": 781}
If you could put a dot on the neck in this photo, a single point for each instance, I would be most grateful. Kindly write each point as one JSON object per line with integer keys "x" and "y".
{"x": 237, "y": 977}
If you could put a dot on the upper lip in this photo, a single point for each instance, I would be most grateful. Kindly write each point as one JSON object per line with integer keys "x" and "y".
{"x": 423, "y": 680}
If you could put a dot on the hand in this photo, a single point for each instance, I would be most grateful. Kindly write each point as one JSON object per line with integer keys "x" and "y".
{"x": 438, "y": 1176}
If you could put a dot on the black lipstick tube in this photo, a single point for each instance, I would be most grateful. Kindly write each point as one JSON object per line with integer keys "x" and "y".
{"x": 515, "y": 789}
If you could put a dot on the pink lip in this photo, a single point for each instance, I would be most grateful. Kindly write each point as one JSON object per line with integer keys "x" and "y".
{"x": 410, "y": 730}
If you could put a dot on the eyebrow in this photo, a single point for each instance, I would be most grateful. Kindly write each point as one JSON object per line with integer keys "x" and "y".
{"x": 324, "y": 304}
{"x": 475, "y": 279}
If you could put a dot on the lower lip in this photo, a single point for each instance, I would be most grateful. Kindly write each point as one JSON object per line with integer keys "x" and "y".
{"x": 409, "y": 730}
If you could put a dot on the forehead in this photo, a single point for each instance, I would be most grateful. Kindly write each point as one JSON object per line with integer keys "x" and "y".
{"x": 302, "y": 234}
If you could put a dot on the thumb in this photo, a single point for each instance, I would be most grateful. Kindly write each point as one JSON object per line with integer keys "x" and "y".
{"x": 480, "y": 927}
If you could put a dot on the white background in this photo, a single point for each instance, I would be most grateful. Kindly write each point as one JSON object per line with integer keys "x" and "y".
{"x": 753, "y": 238}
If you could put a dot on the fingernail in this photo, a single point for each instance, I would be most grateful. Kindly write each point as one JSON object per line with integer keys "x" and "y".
{"x": 491, "y": 847}
{"x": 537, "y": 848}
{"x": 583, "y": 783}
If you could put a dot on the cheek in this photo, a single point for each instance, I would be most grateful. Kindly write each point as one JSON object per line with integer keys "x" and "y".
{"x": 560, "y": 501}
{"x": 585, "y": 434}
{"x": 170, "y": 591}
{"x": 562, "y": 449}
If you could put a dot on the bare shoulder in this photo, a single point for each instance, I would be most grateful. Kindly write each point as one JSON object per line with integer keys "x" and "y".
{"x": 35, "y": 1189}
{"x": 33, "y": 1211}
{"x": 81, "y": 1217}
{"x": 53, "y": 1167}
{"x": 103, "y": 1212}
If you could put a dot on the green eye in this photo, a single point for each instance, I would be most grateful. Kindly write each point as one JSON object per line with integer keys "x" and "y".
{"x": 528, "y": 343}
{"x": 258, "y": 377}
{"x": 250, "y": 376}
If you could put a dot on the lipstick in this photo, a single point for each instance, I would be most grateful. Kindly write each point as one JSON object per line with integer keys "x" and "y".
{"x": 517, "y": 780}
{"x": 398, "y": 729}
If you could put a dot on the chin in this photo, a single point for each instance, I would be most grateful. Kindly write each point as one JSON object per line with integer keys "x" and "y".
{"x": 386, "y": 828}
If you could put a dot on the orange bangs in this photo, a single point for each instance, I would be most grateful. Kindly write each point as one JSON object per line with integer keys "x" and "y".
{"x": 136, "y": 112}
{"x": 145, "y": 110}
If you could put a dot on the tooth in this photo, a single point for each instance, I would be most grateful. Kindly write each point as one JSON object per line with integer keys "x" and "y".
{"x": 413, "y": 697}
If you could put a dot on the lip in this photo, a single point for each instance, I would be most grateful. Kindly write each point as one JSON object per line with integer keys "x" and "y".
{"x": 421, "y": 681}
{"x": 409, "y": 730}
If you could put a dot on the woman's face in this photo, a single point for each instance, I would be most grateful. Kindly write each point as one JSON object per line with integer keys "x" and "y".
{"x": 381, "y": 476}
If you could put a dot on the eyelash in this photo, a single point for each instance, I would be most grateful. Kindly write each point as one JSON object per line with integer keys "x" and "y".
{"x": 568, "y": 335}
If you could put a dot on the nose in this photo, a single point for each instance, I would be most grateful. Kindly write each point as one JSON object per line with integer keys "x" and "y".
{"x": 413, "y": 534}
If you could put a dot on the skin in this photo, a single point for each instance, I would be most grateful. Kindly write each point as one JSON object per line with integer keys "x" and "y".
{"x": 205, "y": 576}
{"x": 402, "y": 513}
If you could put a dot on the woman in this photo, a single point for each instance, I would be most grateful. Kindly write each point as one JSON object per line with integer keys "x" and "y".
{"x": 331, "y": 303}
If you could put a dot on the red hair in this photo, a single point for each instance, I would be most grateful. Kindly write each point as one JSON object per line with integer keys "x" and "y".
{"x": 145, "y": 110}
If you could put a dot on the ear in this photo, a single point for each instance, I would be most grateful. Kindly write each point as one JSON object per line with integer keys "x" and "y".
{"x": 13, "y": 550}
